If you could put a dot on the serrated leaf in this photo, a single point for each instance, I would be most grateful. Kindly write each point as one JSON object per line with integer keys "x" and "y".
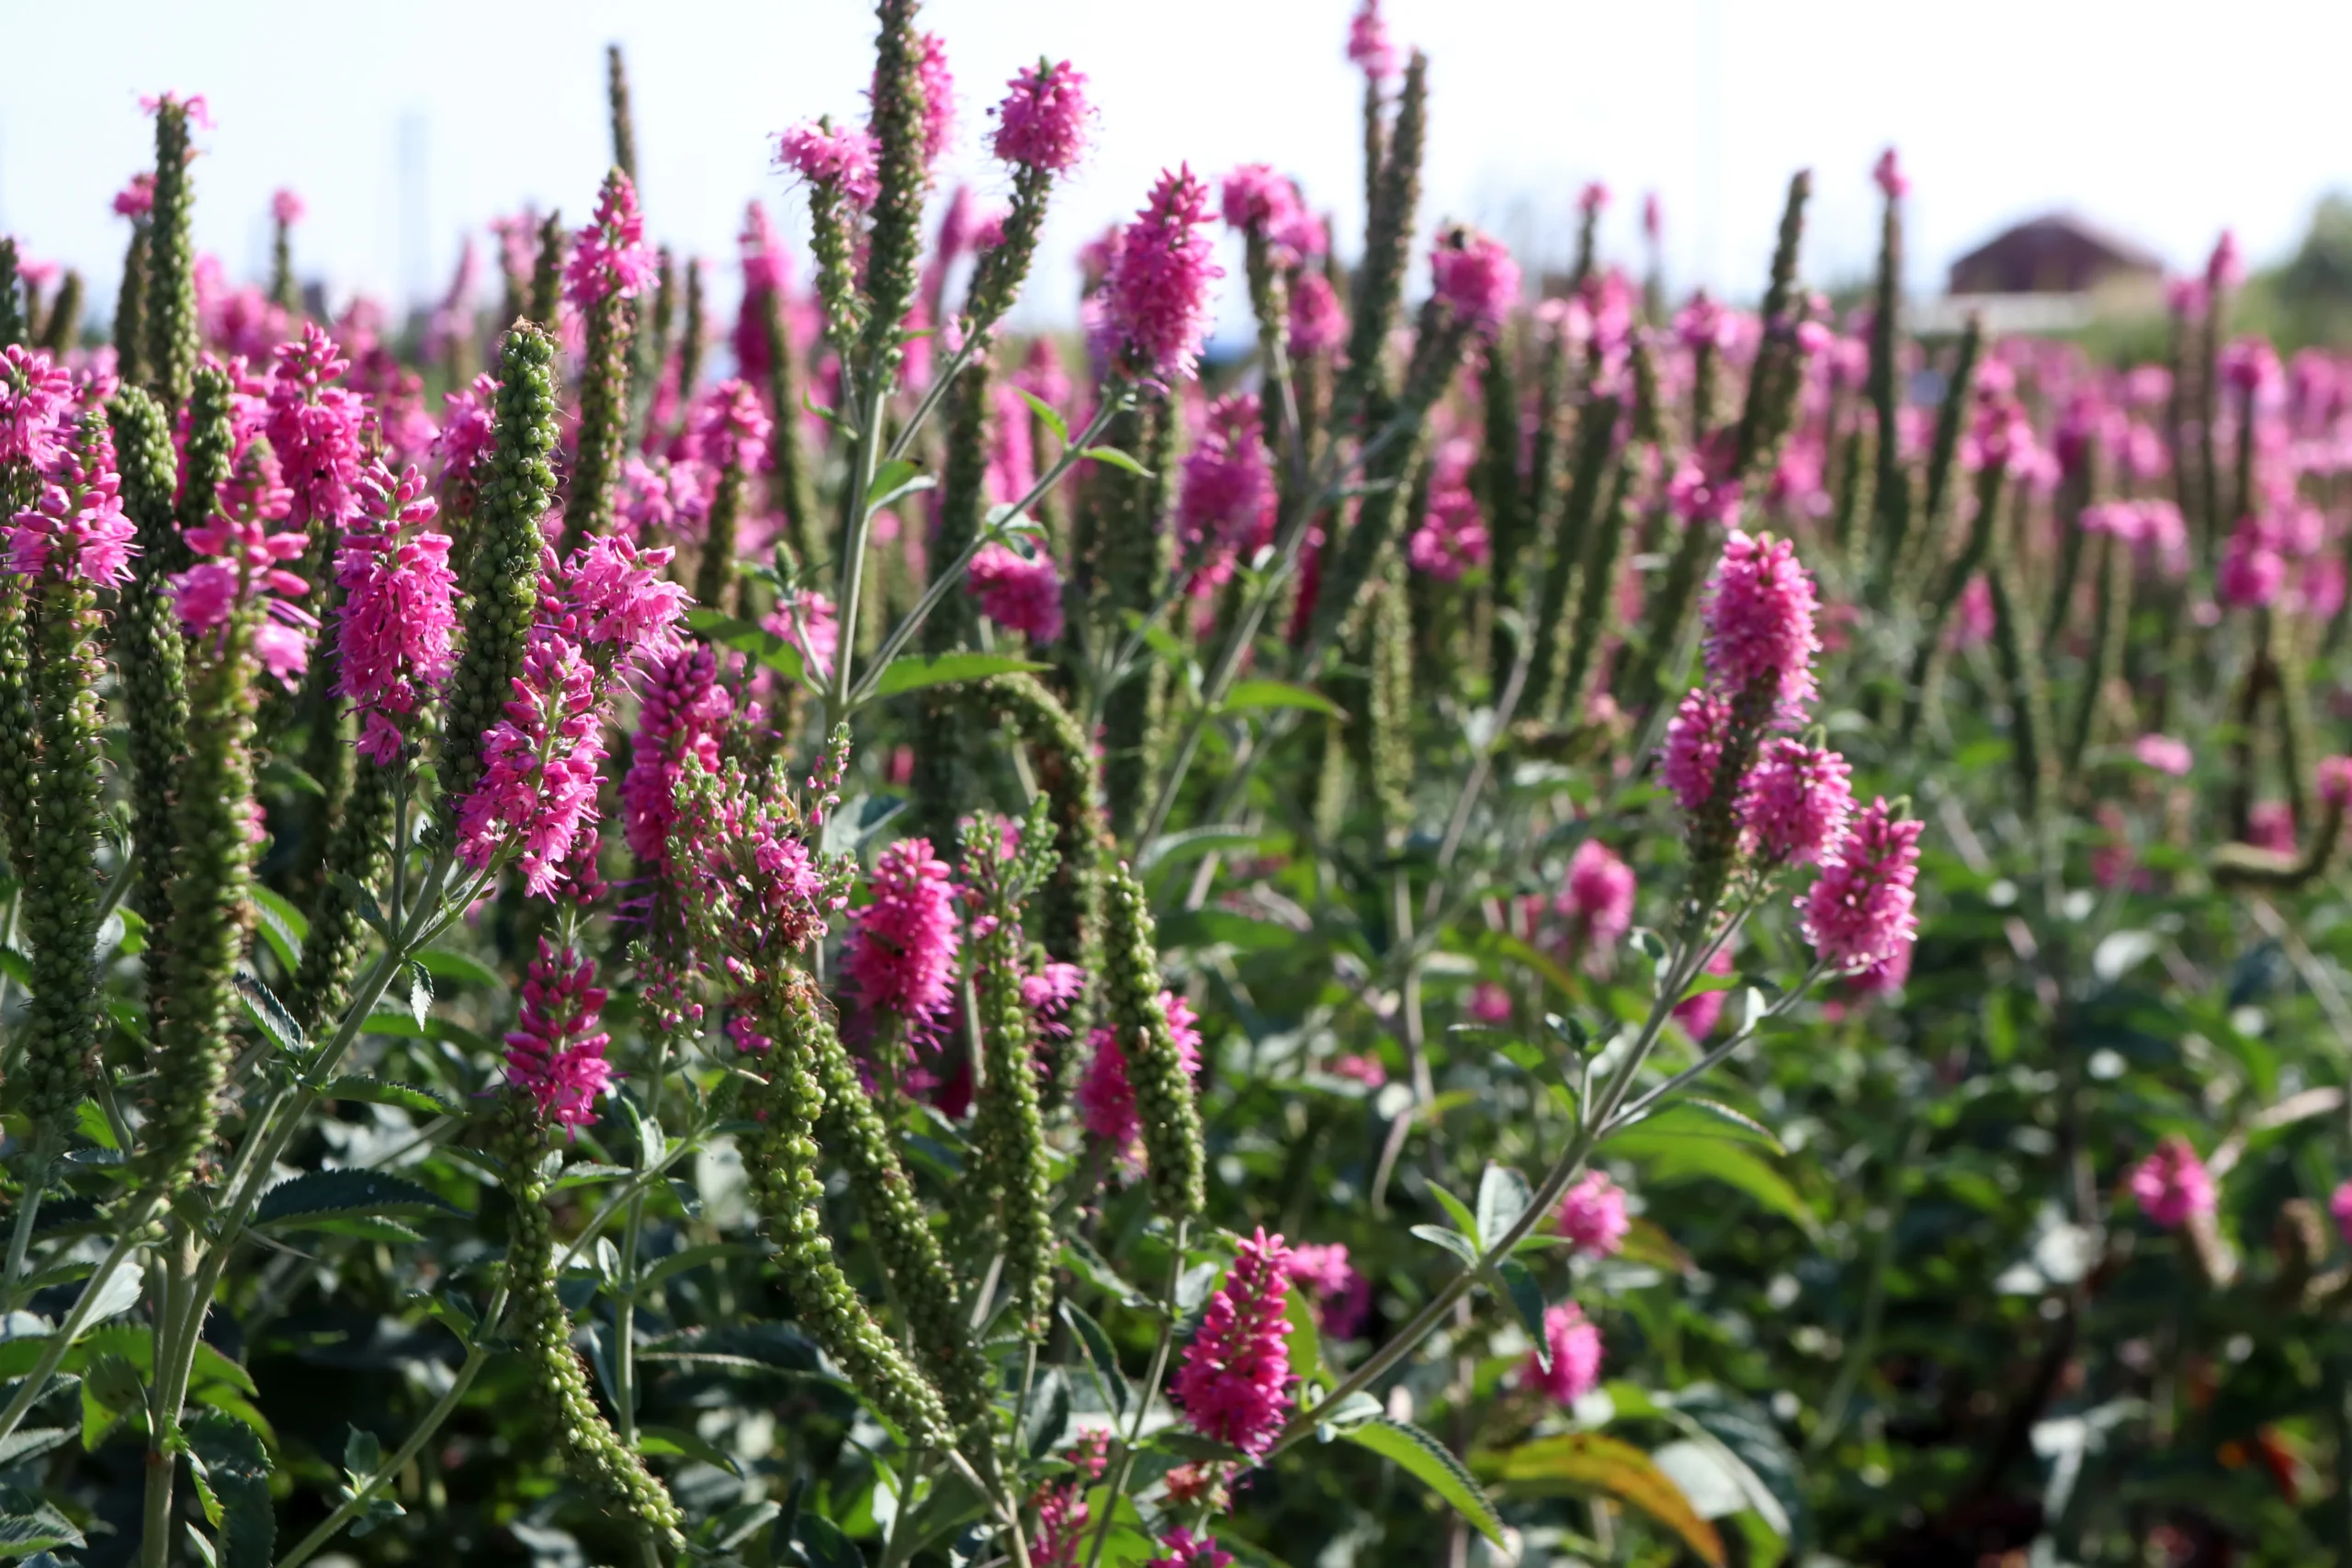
{"x": 389, "y": 1092}
{"x": 683, "y": 1444}
{"x": 1461, "y": 1246}
{"x": 27, "y": 1525}
{"x": 283, "y": 927}
{"x": 1100, "y": 1355}
{"x": 237, "y": 1468}
{"x": 323, "y": 1192}
{"x": 30, "y": 1442}
{"x": 269, "y": 1013}
{"x": 458, "y": 968}
{"x": 1047, "y": 1417}
{"x": 1117, "y": 460}
{"x": 914, "y": 672}
{"x": 752, "y": 1345}
{"x": 745, "y": 638}
{"x": 1248, "y": 695}
{"x": 1503, "y": 1197}
{"x": 419, "y": 993}
{"x": 1582, "y": 1463}
{"x": 1046, "y": 413}
{"x": 1431, "y": 1462}
{"x": 1464, "y": 1220}
{"x": 1526, "y": 1298}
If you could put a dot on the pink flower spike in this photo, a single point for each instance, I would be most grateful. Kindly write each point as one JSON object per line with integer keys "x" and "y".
{"x": 1342, "y": 1295}
{"x": 609, "y": 257}
{"x": 902, "y": 953}
{"x": 2163, "y": 753}
{"x": 807, "y": 621}
{"x": 200, "y": 113}
{"x": 399, "y": 609}
{"x": 843, "y": 160}
{"x": 1698, "y": 1014}
{"x": 2339, "y": 1204}
{"x": 1049, "y": 994}
{"x": 2335, "y": 774}
{"x": 1599, "y": 896}
{"x": 1890, "y": 176}
{"x": 1106, "y": 1101}
{"x": 1576, "y": 1357}
{"x": 1155, "y": 296}
{"x": 1318, "y": 324}
{"x": 555, "y": 1053}
{"x": 2172, "y": 1184}
{"x": 1234, "y": 1383}
{"x": 1592, "y": 198}
{"x": 1858, "y": 912}
{"x": 1368, "y": 45}
{"x": 1592, "y": 1215}
{"x": 1022, "y": 593}
{"x": 1476, "y": 276}
{"x": 1042, "y": 121}
{"x": 75, "y": 530}
{"x": 731, "y": 427}
{"x": 287, "y": 208}
{"x": 36, "y": 398}
{"x": 1799, "y": 799}
{"x": 937, "y": 85}
{"x": 1759, "y": 617}
{"x": 537, "y": 792}
{"x": 138, "y": 198}
{"x": 1694, "y": 748}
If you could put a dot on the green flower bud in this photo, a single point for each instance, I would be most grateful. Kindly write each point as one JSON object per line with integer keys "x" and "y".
{"x": 359, "y": 847}
{"x": 63, "y": 331}
{"x": 1009, "y": 1167}
{"x": 12, "y": 326}
{"x": 211, "y": 446}
{"x": 1595, "y": 442}
{"x": 894, "y": 243}
{"x": 1174, "y": 1151}
{"x": 171, "y": 263}
{"x": 624, "y": 126}
{"x": 1389, "y": 235}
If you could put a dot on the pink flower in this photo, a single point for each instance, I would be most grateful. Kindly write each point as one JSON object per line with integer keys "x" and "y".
{"x": 2339, "y": 1204}
{"x": 1859, "y": 910}
{"x": 1318, "y": 324}
{"x": 2173, "y": 1184}
{"x": 238, "y": 564}
{"x": 731, "y": 429}
{"x": 1489, "y": 1003}
{"x": 1698, "y": 1014}
{"x": 1890, "y": 176}
{"x": 2223, "y": 270}
{"x": 75, "y": 530}
{"x": 683, "y": 710}
{"x": 936, "y": 83}
{"x": 465, "y": 434}
{"x": 1358, "y": 1068}
{"x": 1599, "y": 896}
{"x": 35, "y": 396}
{"x": 1592, "y": 1215}
{"x": 614, "y": 602}
{"x": 1701, "y": 492}
{"x": 1022, "y": 593}
{"x": 314, "y": 429}
{"x": 609, "y": 257}
{"x": 2163, "y": 753}
{"x": 1180, "y": 1548}
{"x": 1576, "y": 1357}
{"x": 1106, "y": 1101}
{"x": 2335, "y": 774}
{"x": 1475, "y": 276}
{"x": 1368, "y": 45}
{"x": 1259, "y": 201}
{"x": 392, "y": 643}
{"x": 1042, "y": 121}
{"x": 805, "y": 621}
{"x": 2252, "y": 570}
{"x": 1972, "y": 616}
{"x": 1342, "y": 1294}
{"x": 1592, "y": 198}
{"x": 1693, "y": 750}
{"x": 1233, "y": 1385}
{"x": 1224, "y": 498}
{"x": 287, "y": 208}
{"x": 1049, "y": 994}
{"x": 842, "y": 159}
{"x": 555, "y": 1053}
{"x": 1759, "y": 617}
{"x": 902, "y": 952}
{"x": 136, "y": 199}
{"x": 2271, "y": 825}
{"x": 538, "y": 786}
{"x": 1453, "y": 537}
{"x": 1799, "y": 799}
{"x": 198, "y": 112}
{"x": 1156, "y": 297}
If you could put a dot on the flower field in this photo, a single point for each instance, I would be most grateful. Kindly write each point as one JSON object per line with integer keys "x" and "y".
{"x": 1524, "y": 922}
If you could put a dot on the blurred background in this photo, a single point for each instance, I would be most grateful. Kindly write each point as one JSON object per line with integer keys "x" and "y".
{"x": 404, "y": 129}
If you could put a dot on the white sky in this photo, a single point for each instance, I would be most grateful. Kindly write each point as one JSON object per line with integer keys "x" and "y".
{"x": 2158, "y": 119}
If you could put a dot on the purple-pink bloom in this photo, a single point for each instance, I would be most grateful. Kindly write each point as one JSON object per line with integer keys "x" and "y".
{"x": 286, "y": 206}
{"x": 731, "y": 427}
{"x": 1592, "y": 198}
{"x": 1155, "y": 296}
{"x": 2252, "y": 568}
{"x": 1698, "y": 1013}
{"x": 1049, "y": 993}
{"x": 2339, "y": 1204}
{"x": 1022, "y": 593}
{"x": 2224, "y": 269}
{"x": 936, "y": 83}
{"x": 901, "y": 950}
{"x": 1575, "y": 1356}
{"x": 2172, "y": 1184}
{"x": 200, "y": 113}
{"x": 609, "y": 257}
{"x": 1475, "y": 276}
{"x": 1591, "y": 1215}
{"x": 1106, "y": 1101}
{"x": 465, "y": 431}
{"x": 2335, "y": 778}
{"x": 555, "y": 1053}
{"x": 137, "y": 199}
{"x": 1317, "y": 322}
{"x": 35, "y": 396}
{"x": 238, "y": 563}
{"x": 1693, "y": 749}
{"x": 1858, "y": 912}
{"x": 1234, "y": 1383}
{"x": 1042, "y": 121}
{"x": 1368, "y": 45}
{"x": 1452, "y": 538}
{"x": 2163, "y": 753}
{"x": 680, "y": 715}
{"x": 75, "y": 530}
{"x": 614, "y": 601}
{"x": 539, "y": 785}
{"x": 399, "y": 607}
{"x": 314, "y": 428}
{"x": 1342, "y": 1295}
{"x": 1181, "y": 1549}
{"x": 1760, "y": 615}
{"x": 807, "y": 621}
{"x": 1257, "y": 200}
{"x": 1225, "y": 497}
{"x": 1597, "y": 894}
{"x": 842, "y": 161}
{"x": 1798, "y": 801}
{"x": 1890, "y": 175}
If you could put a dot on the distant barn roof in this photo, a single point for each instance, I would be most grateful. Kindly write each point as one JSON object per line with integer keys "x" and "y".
{"x": 2060, "y": 254}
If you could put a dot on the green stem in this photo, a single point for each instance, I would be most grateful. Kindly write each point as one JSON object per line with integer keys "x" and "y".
{"x": 858, "y": 522}
{"x": 1143, "y": 1401}
{"x": 36, "y": 1382}
{"x": 625, "y": 1307}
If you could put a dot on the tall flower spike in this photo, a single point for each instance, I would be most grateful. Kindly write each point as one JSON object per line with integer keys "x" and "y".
{"x": 1574, "y": 1352}
{"x": 1799, "y": 799}
{"x": 901, "y": 955}
{"x": 1234, "y": 1382}
{"x": 1476, "y": 276}
{"x": 1010, "y": 1170}
{"x": 1165, "y": 1102}
{"x": 555, "y": 1053}
{"x": 732, "y": 430}
{"x": 1156, "y": 298}
{"x": 393, "y": 642}
{"x": 537, "y": 792}
{"x": 1042, "y": 121}
{"x": 609, "y": 266}
{"x": 172, "y": 342}
{"x": 1858, "y": 912}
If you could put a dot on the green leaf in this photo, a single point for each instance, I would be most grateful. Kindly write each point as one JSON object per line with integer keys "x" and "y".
{"x": 1191, "y": 843}
{"x": 1247, "y": 695}
{"x": 30, "y": 1442}
{"x": 27, "y": 1525}
{"x": 283, "y": 926}
{"x": 1694, "y": 1118}
{"x": 1306, "y": 1337}
{"x": 891, "y": 481}
{"x": 1464, "y": 1220}
{"x": 1668, "y": 1159}
{"x": 1753, "y": 1450}
{"x": 913, "y": 672}
{"x": 269, "y": 1013}
{"x": 1047, "y": 1417}
{"x": 90, "y": 1121}
{"x": 1101, "y": 1354}
{"x": 1345, "y": 1414}
{"x": 1526, "y": 1299}
{"x": 229, "y": 1457}
{"x": 1503, "y": 1197}
{"x": 688, "y": 1257}
{"x": 750, "y": 1345}
{"x": 1461, "y": 1246}
{"x": 1431, "y": 1464}
{"x": 111, "y": 1387}
{"x": 458, "y": 968}
{"x": 1116, "y": 459}
{"x": 745, "y": 638}
{"x": 388, "y": 1091}
{"x": 323, "y": 1192}
{"x": 1046, "y": 413}
{"x": 1582, "y": 1463}
{"x": 419, "y": 993}
{"x": 683, "y": 1444}
{"x": 820, "y": 1544}
{"x": 1080, "y": 1258}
